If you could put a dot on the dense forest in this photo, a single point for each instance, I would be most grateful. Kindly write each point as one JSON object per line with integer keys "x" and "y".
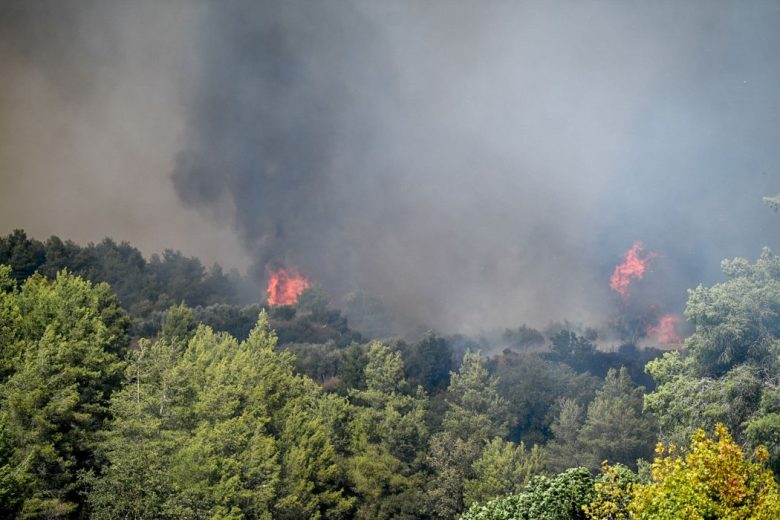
{"x": 134, "y": 388}
{"x": 389, "y": 259}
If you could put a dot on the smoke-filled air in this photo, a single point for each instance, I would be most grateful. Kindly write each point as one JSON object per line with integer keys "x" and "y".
{"x": 471, "y": 165}
{"x": 389, "y": 259}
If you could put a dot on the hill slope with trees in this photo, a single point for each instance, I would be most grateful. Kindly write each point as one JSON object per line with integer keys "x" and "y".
{"x": 242, "y": 411}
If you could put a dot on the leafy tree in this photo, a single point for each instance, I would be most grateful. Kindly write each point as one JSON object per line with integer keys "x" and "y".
{"x": 389, "y": 434}
{"x": 321, "y": 362}
{"x": 140, "y": 445}
{"x": 384, "y": 372}
{"x": 226, "y": 428}
{"x": 531, "y": 386}
{"x": 178, "y": 324}
{"x": 712, "y": 480}
{"x": 522, "y": 338}
{"x": 559, "y": 498}
{"x": 567, "y": 344}
{"x": 312, "y": 300}
{"x": 389, "y": 416}
{"x": 62, "y": 344}
{"x": 565, "y": 450}
{"x": 475, "y": 414}
{"x": 737, "y": 321}
{"x": 60, "y": 255}
{"x": 143, "y": 288}
{"x": 120, "y": 265}
{"x": 292, "y": 326}
{"x": 764, "y": 427}
{"x": 503, "y": 468}
{"x": 615, "y": 427}
{"x": 428, "y": 363}
{"x": 22, "y": 254}
{"x": 680, "y": 399}
{"x": 730, "y": 361}
{"x": 385, "y": 486}
{"x": 614, "y": 489}
{"x": 236, "y": 321}
{"x": 476, "y": 410}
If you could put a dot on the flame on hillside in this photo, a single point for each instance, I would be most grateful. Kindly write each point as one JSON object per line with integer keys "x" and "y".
{"x": 666, "y": 330}
{"x": 284, "y": 286}
{"x": 633, "y": 267}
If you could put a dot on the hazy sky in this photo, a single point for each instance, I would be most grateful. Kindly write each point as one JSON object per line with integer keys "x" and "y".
{"x": 93, "y": 105}
{"x": 475, "y": 164}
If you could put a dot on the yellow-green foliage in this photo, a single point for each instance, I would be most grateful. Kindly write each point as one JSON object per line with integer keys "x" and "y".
{"x": 613, "y": 493}
{"x": 713, "y": 479}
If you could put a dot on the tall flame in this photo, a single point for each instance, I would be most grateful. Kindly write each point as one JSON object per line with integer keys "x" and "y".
{"x": 284, "y": 286}
{"x": 632, "y": 268}
{"x": 666, "y": 329}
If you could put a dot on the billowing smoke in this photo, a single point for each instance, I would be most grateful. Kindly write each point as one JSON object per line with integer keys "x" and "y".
{"x": 280, "y": 133}
{"x": 93, "y": 102}
{"x": 474, "y": 164}
{"x": 482, "y": 164}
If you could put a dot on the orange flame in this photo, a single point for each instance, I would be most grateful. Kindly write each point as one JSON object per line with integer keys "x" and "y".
{"x": 632, "y": 268}
{"x": 666, "y": 329}
{"x": 284, "y": 286}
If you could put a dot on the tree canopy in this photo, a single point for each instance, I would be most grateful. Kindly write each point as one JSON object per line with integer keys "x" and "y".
{"x": 159, "y": 397}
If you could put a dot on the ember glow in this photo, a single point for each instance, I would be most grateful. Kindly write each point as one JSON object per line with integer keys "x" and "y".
{"x": 632, "y": 268}
{"x": 666, "y": 330}
{"x": 284, "y": 286}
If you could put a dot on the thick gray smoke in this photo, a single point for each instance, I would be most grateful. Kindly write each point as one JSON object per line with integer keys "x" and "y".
{"x": 93, "y": 101}
{"x": 475, "y": 164}
{"x": 478, "y": 164}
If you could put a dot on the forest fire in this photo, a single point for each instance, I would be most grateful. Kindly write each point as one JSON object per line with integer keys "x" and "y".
{"x": 284, "y": 286}
{"x": 632, "y": 268}
{"x": 665, "y": 331}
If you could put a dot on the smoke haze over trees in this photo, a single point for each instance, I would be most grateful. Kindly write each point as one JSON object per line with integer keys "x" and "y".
{"x": 473, "y": 259}
{"x": 472, "y": 164}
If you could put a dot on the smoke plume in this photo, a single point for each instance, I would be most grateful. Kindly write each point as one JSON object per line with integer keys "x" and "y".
{"x": 482, "y": 164}
{"x": 475, "y": 164}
